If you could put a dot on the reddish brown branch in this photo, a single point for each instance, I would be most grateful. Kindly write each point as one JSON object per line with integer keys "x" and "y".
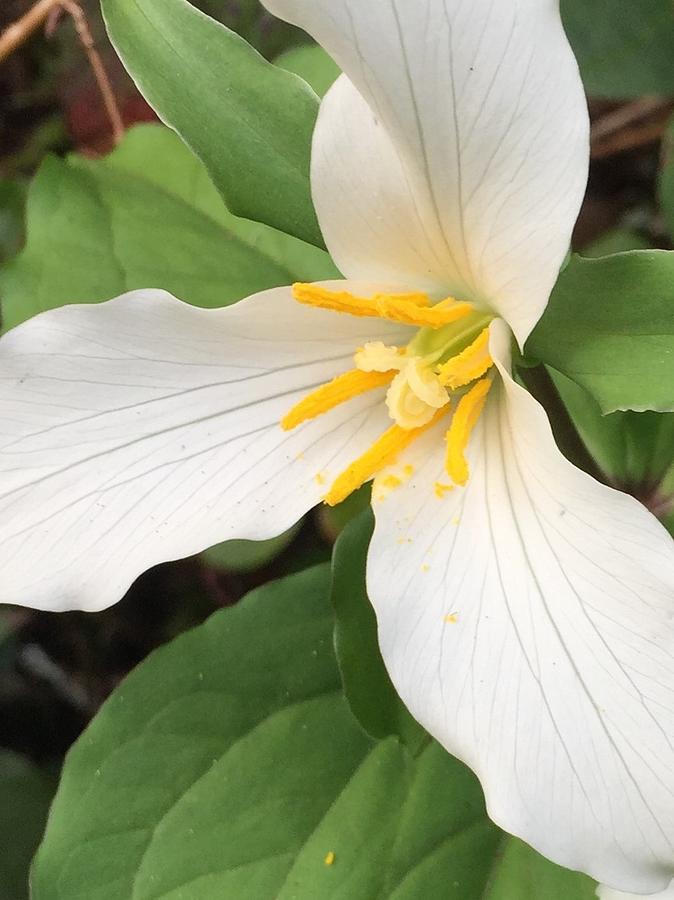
{"x": 19, "y": 32}
{"x": 631, "y": 126}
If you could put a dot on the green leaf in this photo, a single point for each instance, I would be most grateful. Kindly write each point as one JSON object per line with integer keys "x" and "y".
{"x": 228, "y": 767}
{"x": 25, "y": 795}
{"x": 522, "y": 874}
{"x": 634, "y": 450}
{"x": 311, "y": 63}
{"x": 609, "y": 327}
{"x": 158, "y": 155}
{"x": 146, "y": 216}
{"x": 95, "y": 232}
{"x": 624, "y": 48}
{"x": 332, "y": 520}
{"x": 247, "y": 556}
{"x": 367, "y": 686}
{"x": 617, "y": 240}
{"x": 250, "y": 122}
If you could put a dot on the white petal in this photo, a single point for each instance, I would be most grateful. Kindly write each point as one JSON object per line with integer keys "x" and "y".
{"x": 484, "y": 105}
{"x": 144, "y": 429}
{"x": 555, "y": 682}
{"x": 607, "y": 893}
{"x": 365, "y": 203}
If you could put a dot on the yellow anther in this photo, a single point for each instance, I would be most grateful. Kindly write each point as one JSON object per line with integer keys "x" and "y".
{"x": 377, "y": 357}
{"x": 384, "y": 452}
{"x": 409, "y": 309}
{"x": 473, "y": 363}
{"x": 464, "y": 421}
{"x": 398, "y": 310}
{"x": 337, "y": 391}
{"x": 329, "y": 858}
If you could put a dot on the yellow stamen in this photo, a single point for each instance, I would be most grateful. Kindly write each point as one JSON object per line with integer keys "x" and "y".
{"x": 410, "y": 309}
{"x": 329, "y": 858}
{"x": 464, "y": 421}
{"x": 473, "y": 363}
{"x": 384, "y": 452}
{"x": 337, "y": 391}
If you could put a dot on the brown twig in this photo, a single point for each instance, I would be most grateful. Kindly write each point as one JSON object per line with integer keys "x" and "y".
{"x": 76, "y": 13}
{"x": 631, "y": 126}
{"x": 17, "y": 33}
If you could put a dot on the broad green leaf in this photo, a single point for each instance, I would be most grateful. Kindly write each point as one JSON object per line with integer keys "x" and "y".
{"x": 624, "y": 48}
{"x": 522, "y": 874}
{"x": 609, "y": 327}
{"x": 366, "y": 683}
{"x": 634, "y": 450}
{"x": 157, "y": 154}
{"x": 311, "y": 63}
{"x": 25, "y": 795}
{"x": 250, "y": 122}
{"x": 228, "y": 767}
{"x": 146, "y": 216}
{"x": 95, "y": 232}
{"x": 246, "y": 556}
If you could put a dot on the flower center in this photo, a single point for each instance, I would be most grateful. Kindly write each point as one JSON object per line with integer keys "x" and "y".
{"x": 447, "y": 359}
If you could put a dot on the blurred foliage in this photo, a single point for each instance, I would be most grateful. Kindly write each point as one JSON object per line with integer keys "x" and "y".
{"x": 625, "y": 48}
{"x": 26, "y": 794}
{"x": 12, "y": 207}
{"x": 312, "y": 64}
{"x": 666, "y": 180}
{"x": 247, "y": 556}
{"x": 249, "y": 19}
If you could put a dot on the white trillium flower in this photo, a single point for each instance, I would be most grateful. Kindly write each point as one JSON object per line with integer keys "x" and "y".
{"x": 606, "y": 893}
{"x": 525, "y": 610}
